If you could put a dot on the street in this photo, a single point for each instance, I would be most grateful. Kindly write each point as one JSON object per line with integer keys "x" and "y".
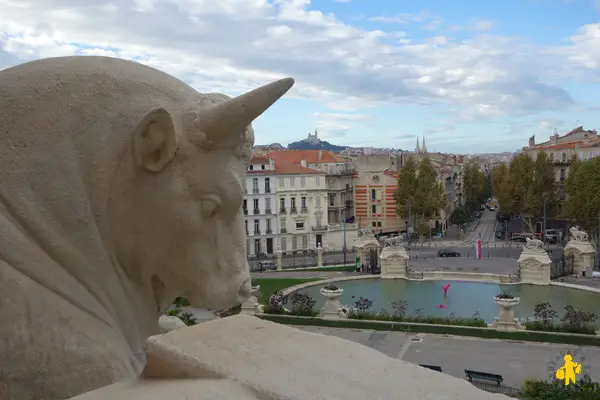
{"x": 485, "y": 230}
{"x": 515, "y": 361}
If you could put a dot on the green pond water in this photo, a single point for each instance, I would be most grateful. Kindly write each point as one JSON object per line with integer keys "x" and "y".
{"x": 464, "y": 298}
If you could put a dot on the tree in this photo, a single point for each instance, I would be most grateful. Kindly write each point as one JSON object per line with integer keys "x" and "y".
{"x": 583, "y": 194}
{"x": 407, "y": 187}
{"x": 474, "y": 181}
{"x": 518, "y": 185}
{"x": 542, "y": 189}
{"x": 460, "y": 216}
{"x": 418, "y": 187}
{"x": 430, "y": 194}
{"x": 501, "y": 186}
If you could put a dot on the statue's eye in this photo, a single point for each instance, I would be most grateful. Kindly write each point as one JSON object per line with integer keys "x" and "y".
{"x": 209, "y": 207}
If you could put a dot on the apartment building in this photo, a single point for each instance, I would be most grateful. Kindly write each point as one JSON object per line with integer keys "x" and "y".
{"x": 584, "y": 144}
{"x": 339, "y": 172}
{"x": 259, "y": 206}
{"x": 301, "y": 206}
{"x": 375, "y": 184}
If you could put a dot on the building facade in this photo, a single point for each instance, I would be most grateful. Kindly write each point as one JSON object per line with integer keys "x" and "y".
{"x": 301, "y": 207}
{"x": 339, "y": 173}
{"x": 259, "y": 206}
{"x": 375, "y": 185}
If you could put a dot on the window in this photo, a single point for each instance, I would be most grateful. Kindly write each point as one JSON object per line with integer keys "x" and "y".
{"x": 332, "y": 199}
{"x": 299, "y": 225}
{"x": 318, "y": 201}
{"x": 282, "y": 225}
{"x": 251, "y": 167}
{"x": 269, "y": 227}
{"x": 379, "y": 224}
{"x": 267, "y": 185}
{"x": 256, "y": 209}
{"x": 374, "y": 224}
{"x": 293, "y": 204}
{"x": 305, "y": 242}
{"x": 318, "y": 180}
{"x": 294, "y": 243}
{"x": 281, "y": 182}
{"x": 283, "y": 244}
{"x": 245, "y": 207}
{"x": 373, "y": 194}
{"x": 254, "y": 185}
{"x": 292, "y": 181}
{"x": 282, "y": 204}
{"x": 256, "y": 246}
{"x": 373, "y": 209}
{"x": 303, "y": 204}
{"x": 563, "y": 157}
{"x": 319, "y": 221}
{"x": 302, "y": 181}
{"x": 268, "y": 205}
{"x": 257, "y": 227}
{"x": 262, "y": 167}
{"x": 246, "y": 223}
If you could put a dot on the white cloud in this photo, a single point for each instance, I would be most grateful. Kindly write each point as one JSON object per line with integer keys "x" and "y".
{"x": 234, "y": 45}
{"x": 338, "y": 124}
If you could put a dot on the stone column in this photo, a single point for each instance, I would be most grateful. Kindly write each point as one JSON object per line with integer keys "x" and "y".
{"x": 534, "y": 264}
{"x": 394, "y": 262}
{"x": 583, "y": 253}
{"x": 279, "y": 267}
{"x": 319, "y": 256}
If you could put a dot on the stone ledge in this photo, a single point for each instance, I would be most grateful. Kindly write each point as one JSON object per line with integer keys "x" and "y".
{"x": 246, "y": 358}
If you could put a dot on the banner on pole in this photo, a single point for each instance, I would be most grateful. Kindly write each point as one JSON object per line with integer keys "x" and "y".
{"x": 478, "y": 249}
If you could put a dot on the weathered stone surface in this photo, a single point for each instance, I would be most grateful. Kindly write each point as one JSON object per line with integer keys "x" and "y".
{"x": 245, "y": 358}
{"x": 120, "y": 190}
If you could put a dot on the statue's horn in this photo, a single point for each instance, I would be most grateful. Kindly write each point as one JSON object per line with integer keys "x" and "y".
{"x": 231, "y": 117}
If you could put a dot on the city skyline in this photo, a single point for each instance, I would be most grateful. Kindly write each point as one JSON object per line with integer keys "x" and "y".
{"x": 471, "y": 78}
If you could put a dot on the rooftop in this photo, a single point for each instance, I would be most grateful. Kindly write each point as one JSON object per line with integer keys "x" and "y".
{"x": 295, "y": 169}
{"x": 310, "y": 156}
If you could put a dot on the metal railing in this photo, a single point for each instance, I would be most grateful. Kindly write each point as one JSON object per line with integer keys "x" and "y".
{"x": 306, "y": 258}
{"x": 256, "y": 211}
{"x": 319, "y": 228}
{"x": 293, "y": 210}
{"x": 304, "y": 210}
{"x": 282, "y": 210}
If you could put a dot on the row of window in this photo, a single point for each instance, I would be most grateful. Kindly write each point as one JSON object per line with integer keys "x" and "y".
{"x": 300, "y": 225}
{"x": 259, "y": 248}
{"x": 282, "y": 179}
{"x": 282, "y": 205}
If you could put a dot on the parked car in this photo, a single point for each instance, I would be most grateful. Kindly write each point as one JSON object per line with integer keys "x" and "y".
{"x": 482, "y": 208}
{"x": 492, "y": 208}
{"x": 551, "y": 235}
{"x": 477, "y": 214}
{"x": 448, "y": 253}
{"x": 267, "y": 266}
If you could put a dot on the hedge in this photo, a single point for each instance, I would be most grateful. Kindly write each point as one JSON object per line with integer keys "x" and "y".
{"x": 437, "y": 329}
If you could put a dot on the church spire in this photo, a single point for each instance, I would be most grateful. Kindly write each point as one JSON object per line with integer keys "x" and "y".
{"x": 424, "y": 148}
{"x": 417, "y": 149}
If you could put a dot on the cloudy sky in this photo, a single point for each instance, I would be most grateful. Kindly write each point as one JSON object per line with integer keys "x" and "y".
{"x": 473, "y": 76}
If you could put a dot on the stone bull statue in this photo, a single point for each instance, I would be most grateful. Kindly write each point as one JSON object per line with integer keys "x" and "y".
{"x": 120, "y": 189}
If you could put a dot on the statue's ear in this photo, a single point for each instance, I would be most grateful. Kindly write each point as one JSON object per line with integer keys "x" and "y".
{"x": 154, "y": 140}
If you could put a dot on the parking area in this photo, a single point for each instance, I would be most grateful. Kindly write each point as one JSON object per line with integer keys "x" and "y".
{"x": 515, "y": 361}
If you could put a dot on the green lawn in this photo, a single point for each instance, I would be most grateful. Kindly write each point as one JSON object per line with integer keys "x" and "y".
{"x": 268, "y": 286}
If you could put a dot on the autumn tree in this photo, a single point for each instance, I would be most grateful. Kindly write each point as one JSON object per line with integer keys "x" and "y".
{"x": 407, "y": 187}
{"x": 419, "y": 190}
{"x": 583, "y": 194}
{"x": 520, "y": 178}
{"x": 474, "y": 185}
{"x": 541, "y": 191}
{"x": 501, "y": 186}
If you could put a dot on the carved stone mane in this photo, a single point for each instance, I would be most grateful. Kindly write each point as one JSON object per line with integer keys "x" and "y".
{"x": 534, "y": 244}
{"x": 578, "y": 234}
{"x": 393, "y": 242}
{"x": 365, "y": 232}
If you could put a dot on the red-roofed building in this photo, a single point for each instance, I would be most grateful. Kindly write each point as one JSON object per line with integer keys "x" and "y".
{"x": 339, "y": 176}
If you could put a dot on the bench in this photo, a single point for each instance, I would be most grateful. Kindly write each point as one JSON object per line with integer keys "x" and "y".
{"x": 433, "y": 367}
{"x": 483, "y": 376}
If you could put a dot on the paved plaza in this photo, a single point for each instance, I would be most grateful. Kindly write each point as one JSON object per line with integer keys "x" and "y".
{"x": 515, "y": 361}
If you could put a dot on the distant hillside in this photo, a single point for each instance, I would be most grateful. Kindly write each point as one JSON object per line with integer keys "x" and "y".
{"x": 313, "y": 145}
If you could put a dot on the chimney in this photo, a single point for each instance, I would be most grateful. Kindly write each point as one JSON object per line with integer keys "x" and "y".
{"x": 303, "y": 163}
{"x": 320, "y": 154}
{"x": 271, "y": 164}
